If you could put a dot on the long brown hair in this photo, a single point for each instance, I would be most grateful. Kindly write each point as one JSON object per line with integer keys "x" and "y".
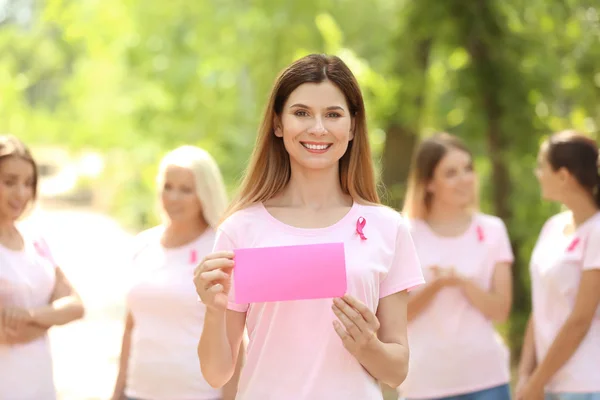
{"x": 579, "y": 155}
{"x": 10, "y": 146}
{"x": 425, "y": 160}
{"x": 269, "y": 169}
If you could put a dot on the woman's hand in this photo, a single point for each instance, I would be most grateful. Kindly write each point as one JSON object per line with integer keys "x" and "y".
{"x": 357, "y": 325}
{"x": 15, "y": 318}
{"x": 212, "y": 279}
{"x": 530, "y": 390}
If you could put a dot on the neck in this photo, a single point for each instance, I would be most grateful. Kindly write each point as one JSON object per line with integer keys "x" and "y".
{"x": 315, "y": 189}
{"x": 185, "y": 229}
{"x": 582, "y": 206}
{"x": 7, "y": 228}
{"x": 445, "y": 214}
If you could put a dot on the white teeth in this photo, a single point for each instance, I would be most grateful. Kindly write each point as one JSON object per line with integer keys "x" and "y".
{"x": 315, "y": 146}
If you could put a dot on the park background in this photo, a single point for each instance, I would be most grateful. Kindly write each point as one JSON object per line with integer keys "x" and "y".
{"x": 100, "y": 90}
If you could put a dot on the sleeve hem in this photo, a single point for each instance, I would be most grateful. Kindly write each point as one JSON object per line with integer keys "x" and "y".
{"x": 237, "y": 307}
{"x": 408, "y": 286}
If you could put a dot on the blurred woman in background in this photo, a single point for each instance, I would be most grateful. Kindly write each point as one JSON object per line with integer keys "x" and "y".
{"x": 34, "y": 293}
{"x": 561, "y": 352}
{"x": 466, "y": 258}
{"x": 164, "y": 317}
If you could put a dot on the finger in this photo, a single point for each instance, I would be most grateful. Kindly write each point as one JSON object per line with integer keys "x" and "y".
{"x": 364, "y": 311}
{"x": 349, "y": 325}
{"x": 341, "y": 332}
{"x": 218, "y": 263}
{"x": 212, "y": 276}
{"x": 355, "y": 316}
{"x": 219, "y": 254}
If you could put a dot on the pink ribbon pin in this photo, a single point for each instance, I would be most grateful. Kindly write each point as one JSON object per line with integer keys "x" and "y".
{"x": 360, "y": 224}
{"x": 193, "y": 257}
{"x": 573, "y": 244}
{"x": 480, "y": 235}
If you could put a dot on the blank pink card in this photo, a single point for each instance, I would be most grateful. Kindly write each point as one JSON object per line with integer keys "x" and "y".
{"x": 303, "y": 272}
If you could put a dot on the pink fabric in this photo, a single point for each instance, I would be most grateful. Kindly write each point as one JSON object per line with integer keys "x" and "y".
{"x": 557, "y": 263}
{"x": 168, "y": 320}
{"x": 454, "y": 349}
{"x": 27, "y": 280}
{"x": 294, "y": 352}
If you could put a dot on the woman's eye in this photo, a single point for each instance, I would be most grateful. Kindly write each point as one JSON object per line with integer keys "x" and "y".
{"x": 301, "y": 113}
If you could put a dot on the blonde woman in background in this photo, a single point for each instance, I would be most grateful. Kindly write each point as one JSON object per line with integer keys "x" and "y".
{"x": 466, "y": 258}
{"x": 164, "y": 317}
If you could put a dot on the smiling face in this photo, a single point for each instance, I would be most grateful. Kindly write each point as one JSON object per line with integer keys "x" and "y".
{"x": 17, "y": 181}
{"x": 179, "y": 199}
{"x": 316, "y": 126}
{"x": 552, "y": 183}
{"x": 453, "y": 180}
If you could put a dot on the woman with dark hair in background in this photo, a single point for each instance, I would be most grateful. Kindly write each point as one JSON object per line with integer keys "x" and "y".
{"x": 466, "y": 256}
{"x": 34, "y": 293}
{"x": 561, "y": 352}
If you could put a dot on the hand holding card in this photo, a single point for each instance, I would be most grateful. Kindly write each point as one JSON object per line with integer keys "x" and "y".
{"x": 285, "y": 273}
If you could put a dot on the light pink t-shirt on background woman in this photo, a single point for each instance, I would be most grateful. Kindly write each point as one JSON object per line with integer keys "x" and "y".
{"x": 557, "y": 262}
{"x": 454, "y": 348}
{"x": 168, "y": 320}
{"x": 27, "y": 280}
{"x": 294, "y": 352}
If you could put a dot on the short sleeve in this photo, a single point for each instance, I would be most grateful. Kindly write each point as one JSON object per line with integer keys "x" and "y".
{"x": 502, "y": 251}
{"x": 591, "y": 256}
{"x": 224, "y": 243}
{"x": 405, "y": 271}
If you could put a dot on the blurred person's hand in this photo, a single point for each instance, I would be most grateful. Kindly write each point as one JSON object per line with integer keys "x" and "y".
{"x": 14, "y": 319}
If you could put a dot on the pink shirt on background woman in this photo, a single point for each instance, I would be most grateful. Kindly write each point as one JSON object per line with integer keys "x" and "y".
{"x": 557, "y": 262}
{"x": 454, "y": 348}
{"x": 168, "y": 320}
{"x": 294, "y": 351}
{"x": 27, "y": 279}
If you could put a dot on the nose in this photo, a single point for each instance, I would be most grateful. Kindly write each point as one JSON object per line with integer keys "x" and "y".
{"x": 318, "y": 128}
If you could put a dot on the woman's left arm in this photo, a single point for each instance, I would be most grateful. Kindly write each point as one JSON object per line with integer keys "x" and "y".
{"x": 64, "y": 306}
{"x": 572, "y": 332}
{"x": 496, "y": 303}
{"x": 379, "y": 342}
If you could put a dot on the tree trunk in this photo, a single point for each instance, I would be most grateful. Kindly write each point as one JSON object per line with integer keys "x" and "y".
{"x": 402, "y": 136}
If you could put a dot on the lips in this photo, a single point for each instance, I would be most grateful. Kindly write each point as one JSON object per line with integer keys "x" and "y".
{"x": 316, "y": 147}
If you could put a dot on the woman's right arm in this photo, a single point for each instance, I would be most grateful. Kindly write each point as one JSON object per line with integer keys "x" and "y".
{"x": 119, "y": 391}
{"x": 528, "y": 361}
{"x": 219, "y": 345}
{"x": 223, "y": 330}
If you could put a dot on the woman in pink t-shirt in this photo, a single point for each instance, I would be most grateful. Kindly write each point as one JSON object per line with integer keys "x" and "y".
{"x": 561, "y": 353}
{"x": 34, "y": 294}
{"x": 310, "y": 180}
{"x": 164, "y": 319}
{"x": 466, "y": 258}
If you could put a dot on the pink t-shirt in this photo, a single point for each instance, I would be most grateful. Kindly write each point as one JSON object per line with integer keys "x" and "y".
{"x": 557, "y": 262}
{"x": 454, "y": 348}
{"x": 168, "y": 320}
{"x": 294, "y": 353}
{"x": 27, "y": 280}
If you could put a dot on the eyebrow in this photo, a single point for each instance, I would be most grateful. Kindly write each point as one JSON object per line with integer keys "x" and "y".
{"x": 330, "y": 108}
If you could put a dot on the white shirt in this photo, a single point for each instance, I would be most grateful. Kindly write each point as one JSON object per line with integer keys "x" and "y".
{"x": 27, "y": 280}
{"x": 168, "y": 321}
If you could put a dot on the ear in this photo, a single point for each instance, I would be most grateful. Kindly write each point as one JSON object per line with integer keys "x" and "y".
{"x": 563, "y": 175}
{"x": 277, "y": 128}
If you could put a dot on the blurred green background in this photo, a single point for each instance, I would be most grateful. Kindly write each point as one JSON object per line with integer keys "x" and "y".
{"x": 102, "y": 89}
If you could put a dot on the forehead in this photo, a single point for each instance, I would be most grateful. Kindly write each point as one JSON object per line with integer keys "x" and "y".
{"x": 455, "y": 157}
{"x": 16, "y": 166}
{"x": 317, "y": 95}
{"x": 178, "y": 173}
